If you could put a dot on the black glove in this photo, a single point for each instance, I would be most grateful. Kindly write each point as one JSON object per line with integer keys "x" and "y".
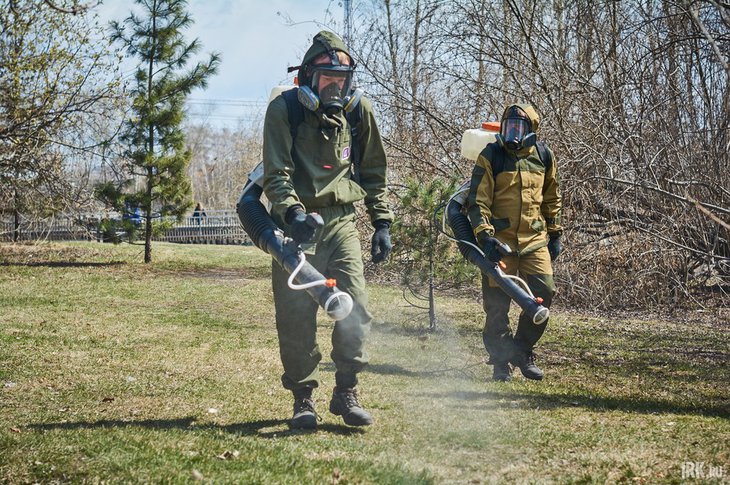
{"x": 489, "y": 246}
{"x": 554, "y": 246}
{"x": 381, "y": 244}
{"x": 301, "y": 228}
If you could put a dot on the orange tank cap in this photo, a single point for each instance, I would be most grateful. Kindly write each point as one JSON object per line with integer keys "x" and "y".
{"x": 491, "y": 126}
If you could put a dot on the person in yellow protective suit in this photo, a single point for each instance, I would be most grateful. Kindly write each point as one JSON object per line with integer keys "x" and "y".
{"x": 514, "y": 198}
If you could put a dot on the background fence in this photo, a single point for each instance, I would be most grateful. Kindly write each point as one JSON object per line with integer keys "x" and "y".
{"x": 215, "y": 227}
{"x": 55, "y": 229}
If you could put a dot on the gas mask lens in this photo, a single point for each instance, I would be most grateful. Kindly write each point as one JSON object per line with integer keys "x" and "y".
{"x": 332, "y": 85}
{"x": 514, "y": 131}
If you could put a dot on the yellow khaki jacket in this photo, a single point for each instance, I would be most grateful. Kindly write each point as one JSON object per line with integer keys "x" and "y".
{"x": 521, "y": 205}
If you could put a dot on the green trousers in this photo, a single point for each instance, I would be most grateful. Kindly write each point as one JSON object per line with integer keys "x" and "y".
{"x": 499, "y": 341}
{"x": 336, "y": 254}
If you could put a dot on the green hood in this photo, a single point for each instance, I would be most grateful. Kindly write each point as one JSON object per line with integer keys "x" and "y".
{"x": 320, "y": 45}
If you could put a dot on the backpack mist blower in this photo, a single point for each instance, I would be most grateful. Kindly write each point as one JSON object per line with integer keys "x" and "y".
{"x": 265, "y": 234}
{"x": 464, "y": 237}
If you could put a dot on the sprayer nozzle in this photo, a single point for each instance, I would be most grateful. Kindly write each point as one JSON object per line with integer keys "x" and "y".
{"x": 339, "y": 305}
{"x": 541, "y": 316}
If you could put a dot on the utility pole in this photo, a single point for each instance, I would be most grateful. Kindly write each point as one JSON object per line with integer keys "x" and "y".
{"x": 348, "y": 24}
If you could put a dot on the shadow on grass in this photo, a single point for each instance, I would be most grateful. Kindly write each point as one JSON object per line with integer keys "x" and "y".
{"x": 392, "y": 328}
{"x": 386, "y": 370}
{"x": 396, "y": 370}
{"x": 423, "y": 332}
{"x": 487, "y": 399}
{"x": 265, "y": 428}
{"x": 252, "y": 273}
{"x": 556, "y": 400}
{"x": 64, "y": 264}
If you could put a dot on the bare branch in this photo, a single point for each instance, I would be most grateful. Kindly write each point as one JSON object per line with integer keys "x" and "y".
{"x": 75, "y": 10}
{"x": 666, "y": 193}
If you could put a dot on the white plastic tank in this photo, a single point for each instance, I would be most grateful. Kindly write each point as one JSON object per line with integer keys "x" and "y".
{"x": 277, "y": 90}
{"x": 474, "y": 140}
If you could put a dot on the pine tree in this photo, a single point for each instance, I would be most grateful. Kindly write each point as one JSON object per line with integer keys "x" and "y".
{"x": 427, "y": 260}
{"x": 155, "y": 144}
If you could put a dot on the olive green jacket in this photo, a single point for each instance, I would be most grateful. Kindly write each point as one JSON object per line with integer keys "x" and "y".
{"x": 522, "y": 205}
{"x": 317, "y": 172}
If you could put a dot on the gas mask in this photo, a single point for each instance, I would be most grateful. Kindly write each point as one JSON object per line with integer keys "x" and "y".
{"x": 329, "y": 87}
{"x": 516, "y": 130}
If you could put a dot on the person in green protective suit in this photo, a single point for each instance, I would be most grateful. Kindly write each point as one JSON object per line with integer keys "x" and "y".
{"x": 313, "y": 171}
{"x": 514, "y": 198}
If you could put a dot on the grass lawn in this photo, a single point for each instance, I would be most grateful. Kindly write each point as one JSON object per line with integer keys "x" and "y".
{"x": 116, "y": 371}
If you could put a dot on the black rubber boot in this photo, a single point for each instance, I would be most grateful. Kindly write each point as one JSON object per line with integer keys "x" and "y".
{"x": 344, "y": 403}
{"x": 305, "y": 417}
{"x": 501, "y": 372}
{"x": 526, "y": 363}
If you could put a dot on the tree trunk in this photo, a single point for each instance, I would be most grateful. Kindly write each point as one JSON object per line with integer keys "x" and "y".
{"x": 150, "y": 149}
{"x": 16, "y": 218}
{"x": 148, "y": 220}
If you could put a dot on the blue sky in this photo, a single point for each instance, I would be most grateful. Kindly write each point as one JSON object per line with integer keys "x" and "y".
{"x": 256, "y": 44}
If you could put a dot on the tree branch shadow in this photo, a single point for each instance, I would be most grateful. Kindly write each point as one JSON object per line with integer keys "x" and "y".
{"x": 553, "y": 400}
{"x": 494, "y": 399}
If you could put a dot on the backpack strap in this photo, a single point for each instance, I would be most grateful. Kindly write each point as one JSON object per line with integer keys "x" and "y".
{"x": 354, "y": 118}
{"x": 546, "y": 157}
{"x": 496, "y": 155}
{"x": 295, "y": 111}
